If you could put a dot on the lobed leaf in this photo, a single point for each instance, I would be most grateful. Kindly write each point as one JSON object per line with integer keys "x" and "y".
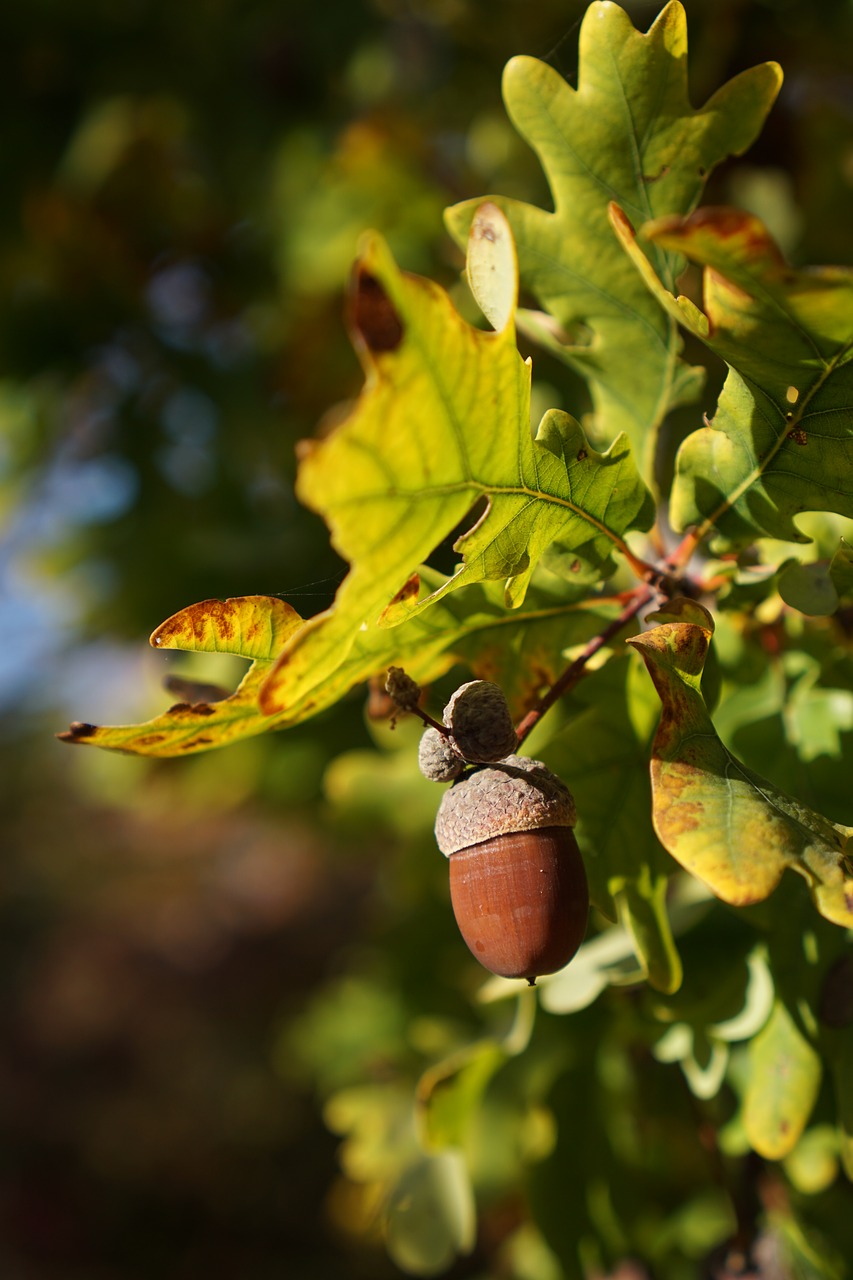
{"x": 781, "y": 441}
{"x": 443, "y": 423}
{"x": 522, "y": 650}
{"x": 253, "y": 627}
{"x": 627, "y": 133}
{"x": 725, "y": 824}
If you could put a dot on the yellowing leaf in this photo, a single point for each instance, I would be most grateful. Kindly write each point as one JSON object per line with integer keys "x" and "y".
{"x": 443, "y": 422}
{"x": 250, "y": 626}
{"x": 492, "y": 267}
{"x": 724, "y": 823}
{"x": 521, "y": 650}
{"x": 253, "y": 627}
{"x": 781, "y": 441}
{"x": 629, "y": 133}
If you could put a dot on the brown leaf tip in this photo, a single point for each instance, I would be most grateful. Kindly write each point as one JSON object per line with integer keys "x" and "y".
{"x": 408, "y": 592}
{"x": 373, "y": 314}
{"x": 78, "y": 731}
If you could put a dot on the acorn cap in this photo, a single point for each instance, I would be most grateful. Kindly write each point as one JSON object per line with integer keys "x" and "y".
{"x": 518, "y": 794}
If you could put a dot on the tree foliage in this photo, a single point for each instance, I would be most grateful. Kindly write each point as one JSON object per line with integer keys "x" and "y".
{"x": 565, "y": 547}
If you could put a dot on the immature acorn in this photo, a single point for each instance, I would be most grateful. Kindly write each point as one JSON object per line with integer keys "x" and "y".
{"x": 481, "y": 728}
{"x": 517, "y": 880}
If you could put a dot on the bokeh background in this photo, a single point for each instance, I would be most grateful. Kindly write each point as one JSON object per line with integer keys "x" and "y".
{"x": 195, "y": 953}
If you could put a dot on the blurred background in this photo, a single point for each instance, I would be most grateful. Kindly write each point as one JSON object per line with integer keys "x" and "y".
{"x": 196, "y": 954}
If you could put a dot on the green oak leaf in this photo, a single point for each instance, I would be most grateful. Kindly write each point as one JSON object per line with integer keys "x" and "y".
{"x": 522, "y": 650}
{"x": 627, "y": 133}
{"x": 725, "y": 824}
{"x": 809, "y": 588}
{"x": 442, "y": 424}
{"x": 781, "y": 441}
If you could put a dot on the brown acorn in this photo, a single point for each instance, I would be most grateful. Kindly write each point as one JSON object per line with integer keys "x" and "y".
{"x": 517, "y": 880}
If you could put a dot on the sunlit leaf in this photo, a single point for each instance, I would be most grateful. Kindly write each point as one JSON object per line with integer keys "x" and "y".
{"x": 253, "y": 627}
{"x": 781, "y": 441}
{"x": 629, "y": 133}
{"x": 492, "y": 267}
{"x": 724, "y": 823}
{"x": 442, "y": 422}
{"x": 522, "y": 650}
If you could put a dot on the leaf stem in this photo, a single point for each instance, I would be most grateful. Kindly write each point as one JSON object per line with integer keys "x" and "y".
{"x": 641, "y": 596}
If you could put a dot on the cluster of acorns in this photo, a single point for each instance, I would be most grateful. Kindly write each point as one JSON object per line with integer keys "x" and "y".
{"x": 517, "y": 880}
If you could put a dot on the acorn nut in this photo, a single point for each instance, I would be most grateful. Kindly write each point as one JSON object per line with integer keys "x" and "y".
{"x": 517, "y": 880}
{"x": 480, "y": 723}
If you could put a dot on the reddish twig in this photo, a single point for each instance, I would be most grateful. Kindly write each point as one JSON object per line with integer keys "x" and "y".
{"x": 640, "y": 597}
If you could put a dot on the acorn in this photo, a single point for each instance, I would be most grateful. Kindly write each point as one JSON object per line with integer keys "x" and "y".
{"x": 517, "y": 880}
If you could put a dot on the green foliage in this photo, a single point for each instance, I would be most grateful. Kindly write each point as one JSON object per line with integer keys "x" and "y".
{"x": 780, "y": 437}
{"x": 725, "y": 978}
{"x": 627, "y": 133}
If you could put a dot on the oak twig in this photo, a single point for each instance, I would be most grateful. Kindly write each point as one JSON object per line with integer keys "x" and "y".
{"x": 642, "y": 596}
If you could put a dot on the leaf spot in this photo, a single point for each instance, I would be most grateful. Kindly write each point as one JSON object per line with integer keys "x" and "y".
{"x": 408, "y": 591}
{"x": 374, "y": 316}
